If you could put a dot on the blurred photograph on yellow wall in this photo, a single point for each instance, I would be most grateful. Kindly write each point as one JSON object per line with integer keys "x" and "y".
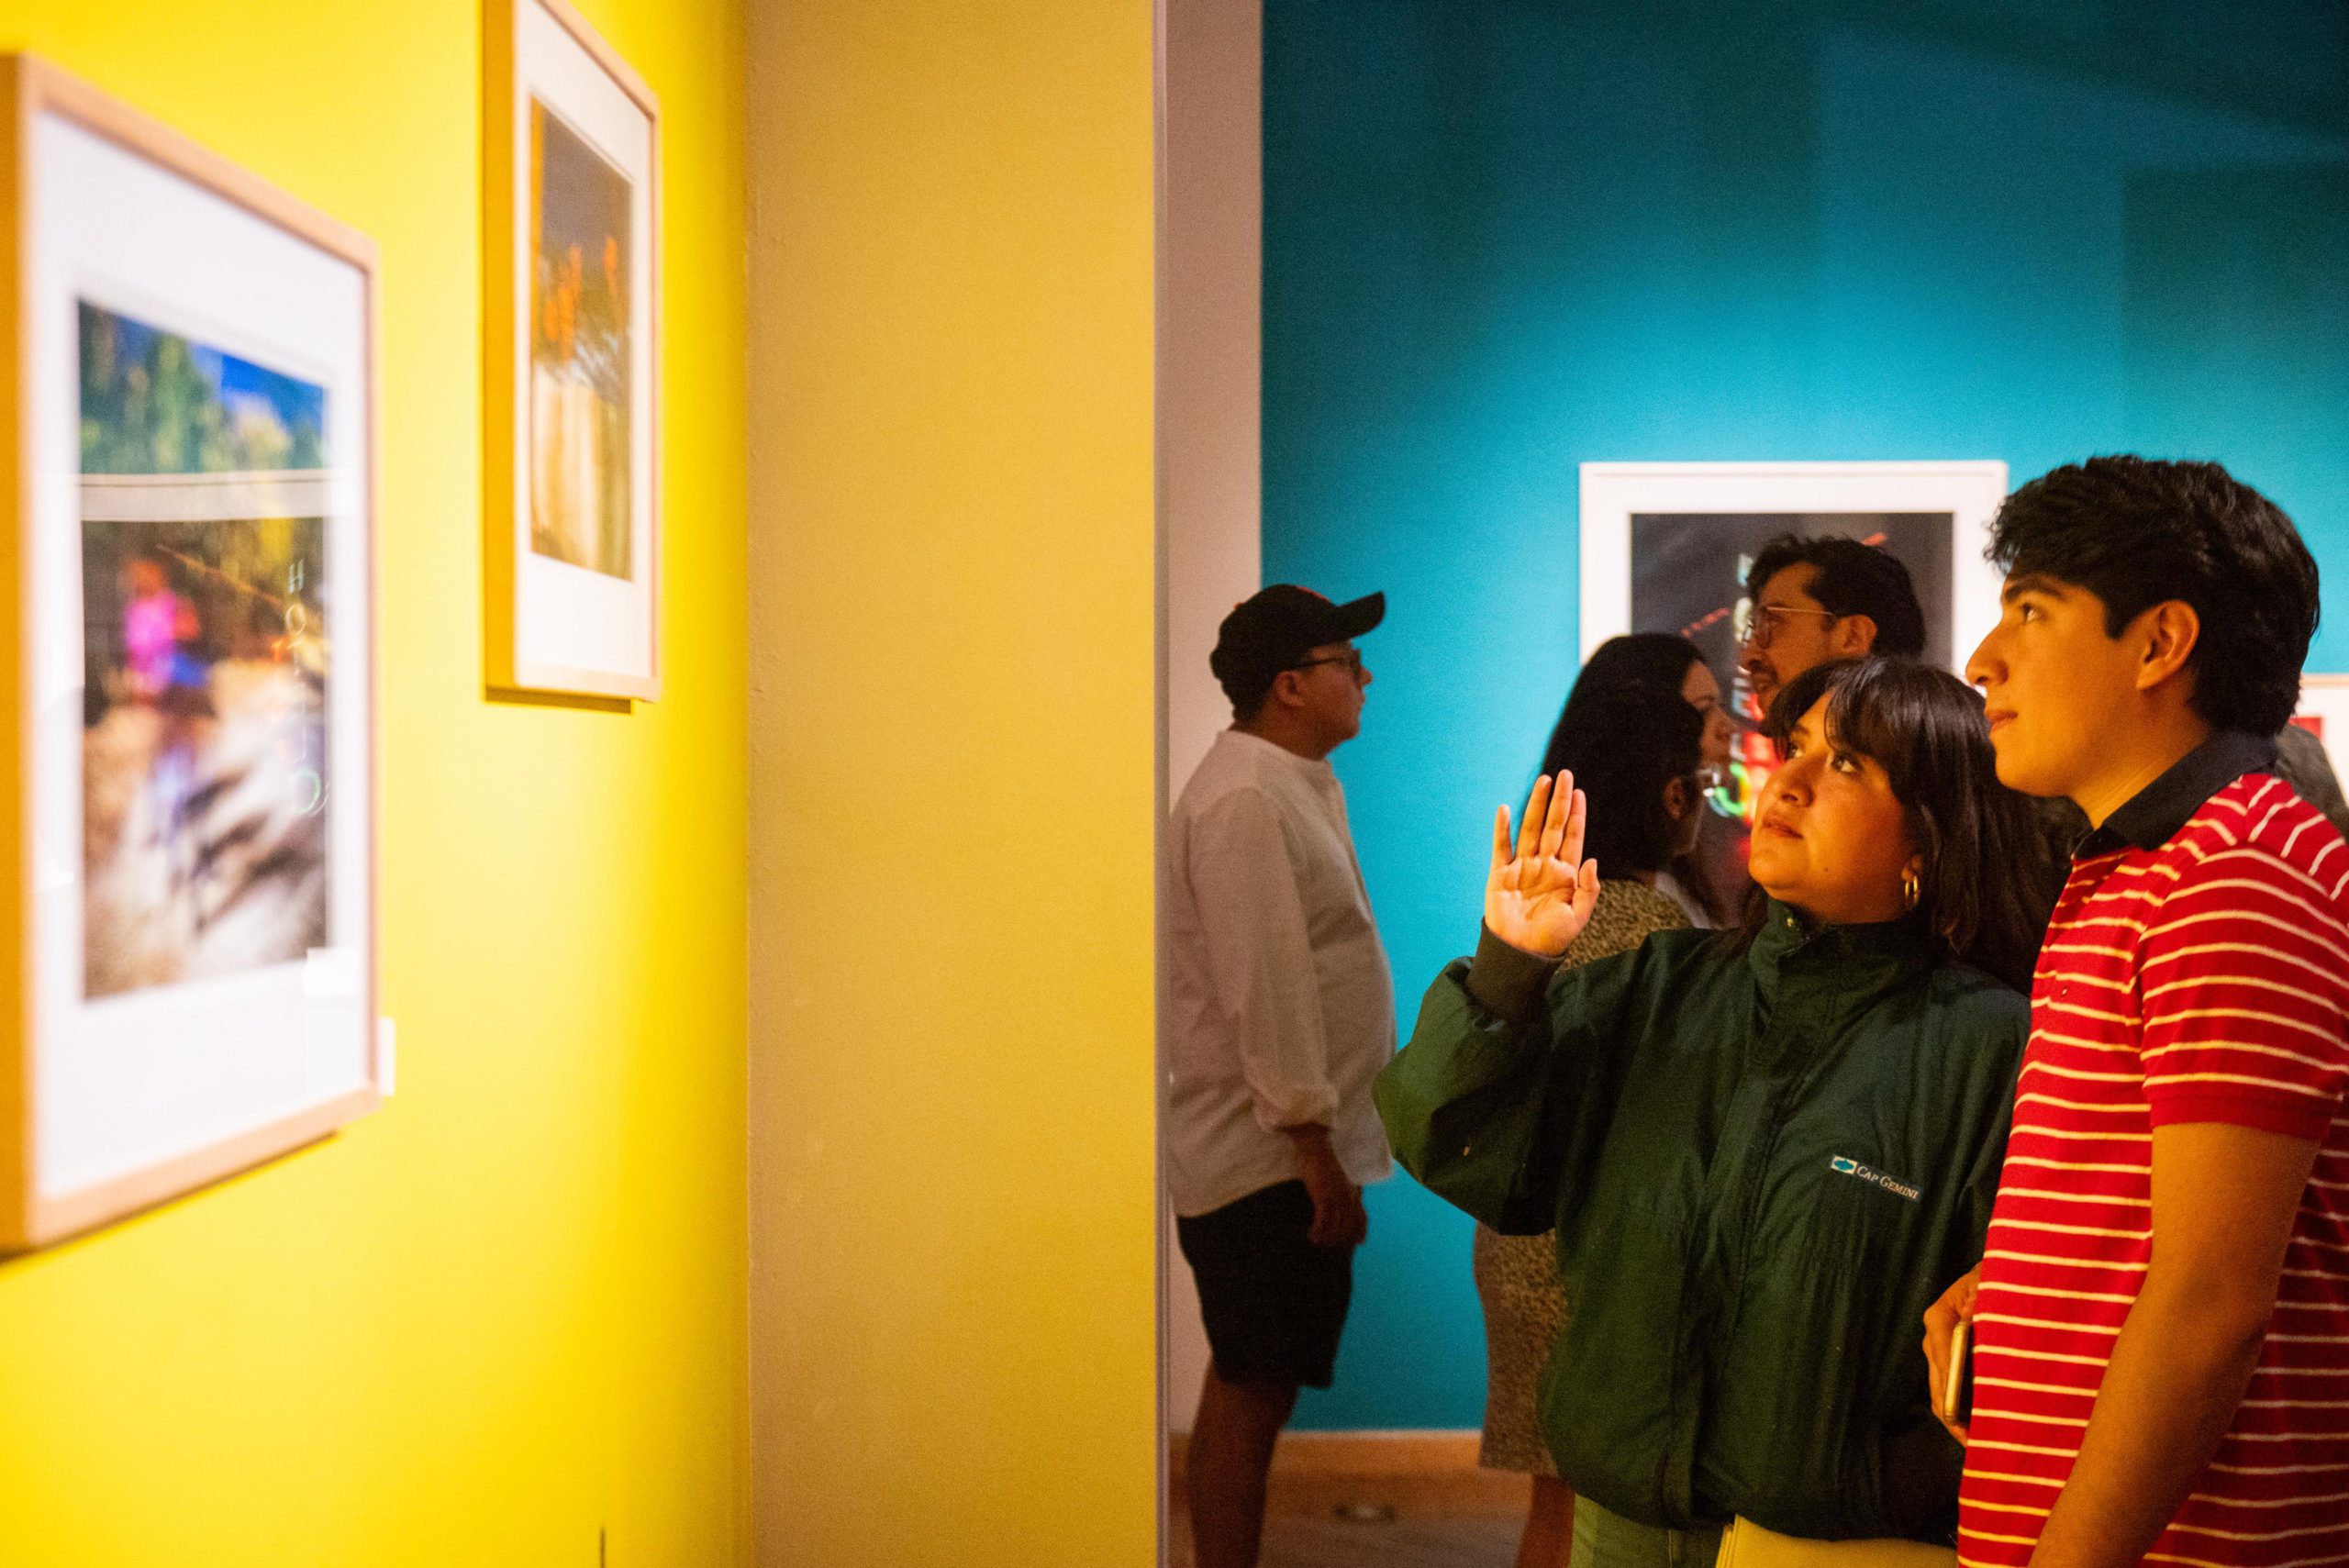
{"x": 580, "y": 262}
{"x": 204, "y": 799}
{"x": 572, "y": 324}
{"x": 197, "y": 887}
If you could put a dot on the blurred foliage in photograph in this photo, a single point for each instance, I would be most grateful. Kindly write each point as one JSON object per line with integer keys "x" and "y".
{"x": 153, "y": 403}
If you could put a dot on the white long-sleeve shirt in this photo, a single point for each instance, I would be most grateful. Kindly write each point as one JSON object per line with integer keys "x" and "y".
{"x": 1282, "y": 1010}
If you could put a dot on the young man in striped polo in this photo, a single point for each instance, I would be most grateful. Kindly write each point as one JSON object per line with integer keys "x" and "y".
{"x": 2161, "y": 1317}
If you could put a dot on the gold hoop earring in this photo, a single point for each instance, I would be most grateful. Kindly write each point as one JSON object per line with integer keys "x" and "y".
{"x": 1911, "y": 889}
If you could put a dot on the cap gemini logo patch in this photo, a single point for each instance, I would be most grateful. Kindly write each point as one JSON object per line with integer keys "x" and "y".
{"x": 1893, "y": 1185}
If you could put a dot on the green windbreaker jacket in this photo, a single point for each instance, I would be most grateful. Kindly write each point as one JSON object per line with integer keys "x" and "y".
{"x": 1764, "y": 1165}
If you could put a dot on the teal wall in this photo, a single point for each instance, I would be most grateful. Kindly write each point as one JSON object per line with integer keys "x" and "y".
{"x": 1503, "y": 239}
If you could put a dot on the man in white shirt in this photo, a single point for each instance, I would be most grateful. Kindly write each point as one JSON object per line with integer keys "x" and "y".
{"x": 1283, "y": 1011}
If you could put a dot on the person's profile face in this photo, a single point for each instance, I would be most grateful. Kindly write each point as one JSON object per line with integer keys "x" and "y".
{"x": 2052, "y": 681}
{"x": 1830, "y": 837}
{"x": 1331, "y": 685}
{"x": 1700, "y": 691}
{"x": 1788, "y": 632}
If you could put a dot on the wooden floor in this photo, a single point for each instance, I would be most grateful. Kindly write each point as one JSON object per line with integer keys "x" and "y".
{"x": 1418, "y": 1504}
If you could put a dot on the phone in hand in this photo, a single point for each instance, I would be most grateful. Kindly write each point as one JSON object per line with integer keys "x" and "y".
{"x": 1958, "y": 1384}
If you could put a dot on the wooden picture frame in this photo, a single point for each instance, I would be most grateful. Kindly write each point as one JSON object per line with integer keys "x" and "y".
{"x": 187, "y": 879}
{"x": 571, "y": 309}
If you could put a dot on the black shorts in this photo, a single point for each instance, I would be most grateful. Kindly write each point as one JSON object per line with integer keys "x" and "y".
{"x": 1274, "y": 1301}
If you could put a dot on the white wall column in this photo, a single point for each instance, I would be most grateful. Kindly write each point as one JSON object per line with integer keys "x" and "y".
{"x": 1211, "y": 254}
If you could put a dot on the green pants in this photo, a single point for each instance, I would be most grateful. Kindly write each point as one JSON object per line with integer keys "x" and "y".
{"x": 1609, "y": 1540}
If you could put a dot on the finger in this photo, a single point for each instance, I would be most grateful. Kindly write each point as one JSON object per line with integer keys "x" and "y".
{"x": 1577, "y": 821}
{"x": 1528, "y": 832}
{"x": 1585, "y": 891}
{"x": 1500, "y": 839}
{"x": 1554, "y": 821}
{"x": 1936, "y": 1371}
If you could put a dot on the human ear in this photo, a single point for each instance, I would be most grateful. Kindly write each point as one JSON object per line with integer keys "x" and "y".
{"x": 2169, "y": 632}
{"x": 1677, "y": 803}
{"x": 1856, "y": 636}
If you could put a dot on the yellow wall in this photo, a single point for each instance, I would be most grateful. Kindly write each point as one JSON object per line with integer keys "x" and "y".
{"x": 951, "y": 742}
{"x": 509, "y": 1309}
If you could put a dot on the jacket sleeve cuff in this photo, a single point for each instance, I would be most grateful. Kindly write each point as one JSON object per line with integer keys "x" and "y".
{"x": 1505, "y": 979}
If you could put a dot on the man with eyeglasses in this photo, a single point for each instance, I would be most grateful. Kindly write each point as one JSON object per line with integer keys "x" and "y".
{"x": 1820, "y": 599}
{"x": 1281, "y": 1012}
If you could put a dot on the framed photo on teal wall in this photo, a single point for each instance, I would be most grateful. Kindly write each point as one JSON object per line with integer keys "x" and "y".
{"x": 1665, "y": 547}
{"x": 2323, "y": 711}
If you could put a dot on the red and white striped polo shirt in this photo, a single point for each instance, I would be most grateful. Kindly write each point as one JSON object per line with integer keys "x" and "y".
{"x": 2203, "y": 979}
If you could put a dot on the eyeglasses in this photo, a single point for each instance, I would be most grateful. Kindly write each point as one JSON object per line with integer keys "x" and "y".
{"x": 1762, "y": 622}
{"x": 1350, "y": 659}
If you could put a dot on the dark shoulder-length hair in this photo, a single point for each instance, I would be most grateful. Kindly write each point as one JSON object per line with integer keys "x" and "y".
{"x": 1625, "y": 743}
{"x": 1636, "y": 658}
{"x": 1987, "y": 883}
{"x": 1622, "y": 764}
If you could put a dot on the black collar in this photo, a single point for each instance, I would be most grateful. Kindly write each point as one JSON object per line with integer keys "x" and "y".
{"x": 2157, "y": 811}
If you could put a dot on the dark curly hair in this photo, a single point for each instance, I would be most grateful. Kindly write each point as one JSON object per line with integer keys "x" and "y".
{"x": 1854, "y": 579}
{"x": 2137, "y": 532}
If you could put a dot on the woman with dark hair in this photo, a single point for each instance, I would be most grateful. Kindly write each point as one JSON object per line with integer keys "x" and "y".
{"x": 1765, "y": 1153}
{"x": 1635, "y": 748}
{"x": 1656, "y": 659}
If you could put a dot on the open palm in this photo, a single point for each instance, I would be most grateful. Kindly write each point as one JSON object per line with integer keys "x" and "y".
{"x": 1539, "y": 892}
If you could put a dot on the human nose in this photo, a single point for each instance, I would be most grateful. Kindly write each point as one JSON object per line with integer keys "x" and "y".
{"x": 1790, "y": 782}
{"x": 1983, "y": 666}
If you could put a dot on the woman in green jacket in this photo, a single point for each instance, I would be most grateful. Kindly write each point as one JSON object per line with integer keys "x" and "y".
{"x": 1766, "y": 1151}
{"x": 1635, "y": 747}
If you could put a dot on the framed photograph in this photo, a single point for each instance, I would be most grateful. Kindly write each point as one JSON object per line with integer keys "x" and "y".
{"x": 1665, "y": 547}
{"x": 189, "y": 915}
{"x": 571, "y": 307}
{"x": 2324, "y": 712}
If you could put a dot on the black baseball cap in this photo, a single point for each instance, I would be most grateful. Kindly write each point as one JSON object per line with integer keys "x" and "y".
{"x": 1274, "y": 630}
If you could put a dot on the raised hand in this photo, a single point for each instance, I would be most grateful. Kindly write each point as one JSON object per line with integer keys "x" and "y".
{"x": 1539, "y": 892}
